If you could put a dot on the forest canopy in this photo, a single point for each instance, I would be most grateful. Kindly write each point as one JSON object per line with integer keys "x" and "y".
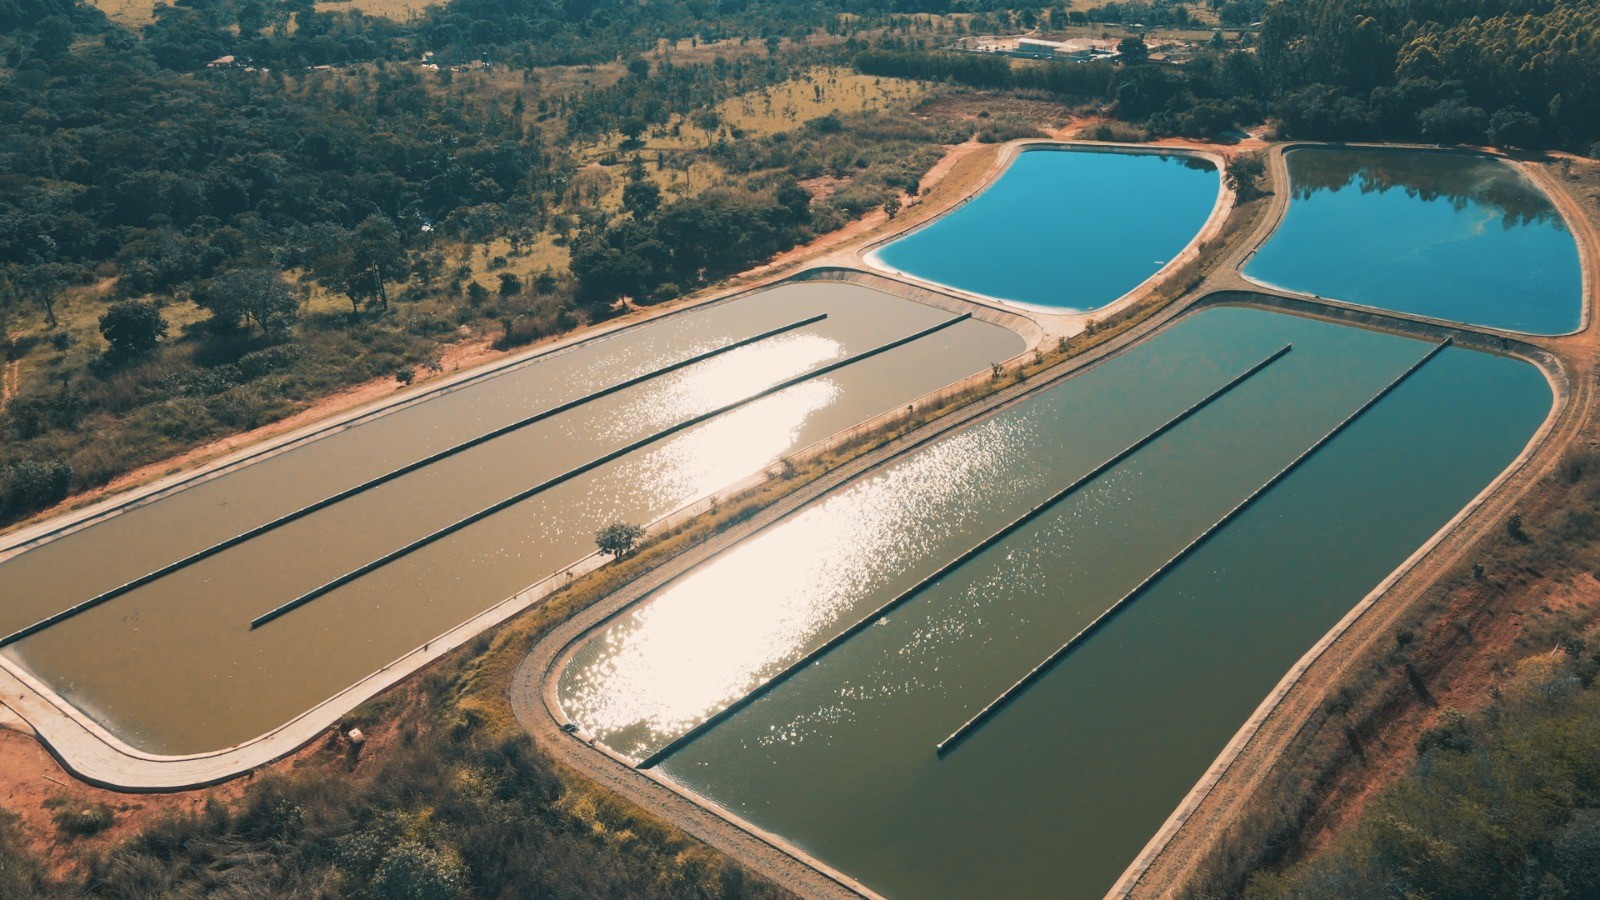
{"x": 341, "y": 155}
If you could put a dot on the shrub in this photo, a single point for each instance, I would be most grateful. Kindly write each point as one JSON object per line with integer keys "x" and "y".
{"x": 32, "y": 484}
{"x": 411, "y": 871}
{"x": 258, "y": 363}
{"x": 74, "y": 820}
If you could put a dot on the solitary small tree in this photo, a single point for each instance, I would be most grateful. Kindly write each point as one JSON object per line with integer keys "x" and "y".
{"x": 618, "y": 539}
{"x": 43, "y": 283}
{"x": 133, "y": 327}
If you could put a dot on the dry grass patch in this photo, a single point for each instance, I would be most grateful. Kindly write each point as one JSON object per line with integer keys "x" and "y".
{"x": 774, "y": 109}
{"x": 975, "y": 109}
{"x": 141, "y": 12}
{"x": 128, "y": 12}
{"x": 398, "y": 10}
{"x": 40, "y": 351}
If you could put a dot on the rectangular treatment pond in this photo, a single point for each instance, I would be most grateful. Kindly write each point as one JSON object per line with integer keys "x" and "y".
{"x": 1057, "y": 793}
{"x": 1064, "y": 230}
{"x": 1454, "y": 236}
{"x": 175, "y": 667}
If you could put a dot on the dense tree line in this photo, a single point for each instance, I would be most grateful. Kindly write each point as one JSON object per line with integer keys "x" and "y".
{"x": 1521, "y": 72}
{"x": 111, "y": 160}
{"x": 657, "y": 254}
{"x": 169, "y": 186}
{"x": 659, "y": 250}
{"x": 1213, "y": 94}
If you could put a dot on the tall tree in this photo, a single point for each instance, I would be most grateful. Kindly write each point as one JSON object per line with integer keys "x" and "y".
{"x": 364, "y": 262}
{"x": 250, "y": 295}
{"x": 41, "y": 283}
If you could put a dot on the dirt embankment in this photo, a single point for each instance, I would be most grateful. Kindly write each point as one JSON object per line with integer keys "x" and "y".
{"x": 35, "y": 788}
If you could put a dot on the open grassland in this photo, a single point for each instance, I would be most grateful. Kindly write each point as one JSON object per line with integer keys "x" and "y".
{"x": 128, "y": 12}
{"x": 39, "y": 354}
{"x": 778, "y": 108}
{"x": 398, "y": 10}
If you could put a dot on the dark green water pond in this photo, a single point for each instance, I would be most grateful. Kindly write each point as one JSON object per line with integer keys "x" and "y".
{"x": 1055, "y": 796}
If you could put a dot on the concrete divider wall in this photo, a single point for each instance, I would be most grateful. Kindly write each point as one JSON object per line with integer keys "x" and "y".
{"x": 65, "y": 523}
{"x": 68, "y": 522}
{"x": 1021, "y": 324}
{"x": 591, "y": 465}
{"x": 1459, "y": 334}
{"x": 994, "y": 707}
{"x": 324, "y": 503}
{"x": 1563, "y": 412}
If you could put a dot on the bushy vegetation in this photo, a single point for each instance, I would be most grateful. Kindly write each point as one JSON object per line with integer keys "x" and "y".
{"x": 1509, "y": 72}
{"x": 1504, "y": 803}
{"x": 21, "y": 873}
{"x": 80, "y": 820}
{"x": 1211, "y": 95}
{"x": 450, "y": 810}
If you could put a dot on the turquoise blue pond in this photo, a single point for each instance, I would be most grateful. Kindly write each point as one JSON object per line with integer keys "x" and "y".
{"x": 1067, "y": 230}
{"x": 1448, "y": 235}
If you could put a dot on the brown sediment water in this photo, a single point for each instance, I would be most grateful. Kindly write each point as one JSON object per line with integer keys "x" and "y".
{"x": 1055, "y": 796}
{"x": 173, "y": 667}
